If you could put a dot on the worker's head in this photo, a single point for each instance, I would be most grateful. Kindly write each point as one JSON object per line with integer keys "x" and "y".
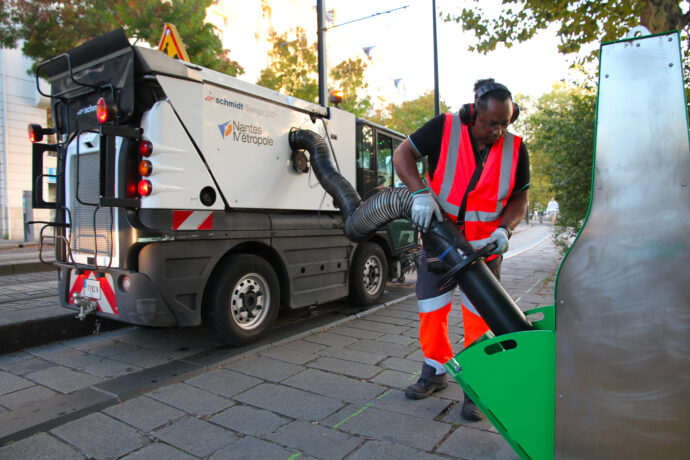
{"x": 493, "y": 110}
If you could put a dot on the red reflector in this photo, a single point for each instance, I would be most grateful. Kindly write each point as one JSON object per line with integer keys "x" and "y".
{"x": 144, "y": 187}
{"x": 102, "y": 110}
{"x": 131, "y": 189}
{"x": 145, "y": 167}
{"x": 145, "y": 148}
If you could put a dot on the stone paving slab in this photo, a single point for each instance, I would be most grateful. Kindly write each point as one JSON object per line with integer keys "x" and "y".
{"x": 334, "y": 385}
{"x": 318, "y": 441}
{"x": 385, "y": 451}
{"x": 144, "y": 413}
{"x": 397, "y": 428}
{"x": 290, "y": 402}
{"x": 158, "y": 451}
{"x": 100, "y": 436}
{"x": 196, "y": 437}
{"x": 250, "y": 447}
{"x": 249, "y": 420}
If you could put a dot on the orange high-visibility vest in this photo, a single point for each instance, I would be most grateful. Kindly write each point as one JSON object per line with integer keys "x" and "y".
{"x": 455, "y": 168}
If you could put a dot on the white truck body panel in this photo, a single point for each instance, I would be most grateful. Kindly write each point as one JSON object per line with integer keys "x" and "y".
{"x": 178, "y": 174}
{"x": 243, "y": 138}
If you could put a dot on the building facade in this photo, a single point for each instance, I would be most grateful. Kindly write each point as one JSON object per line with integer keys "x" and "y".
{"x": 20, "y": 104}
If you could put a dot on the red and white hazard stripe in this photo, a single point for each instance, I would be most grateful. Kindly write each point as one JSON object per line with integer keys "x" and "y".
{"x": 192, "y": 220}
{"x": 107, "y": 302}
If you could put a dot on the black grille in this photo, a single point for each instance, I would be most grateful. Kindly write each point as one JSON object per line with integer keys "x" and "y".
{"x": 85, "y": 235}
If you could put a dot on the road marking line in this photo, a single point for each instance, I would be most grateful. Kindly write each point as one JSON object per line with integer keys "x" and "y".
{"x": 510, "y": 254}
{"x": 362, "y": 409}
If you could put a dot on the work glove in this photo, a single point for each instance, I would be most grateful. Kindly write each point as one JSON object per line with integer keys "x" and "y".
{"x": 424, "y": 206}
{"x": 499, "y": 236}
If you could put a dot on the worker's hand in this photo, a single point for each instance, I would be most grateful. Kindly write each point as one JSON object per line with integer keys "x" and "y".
{"x": 424, "y": 206}
{"x": 500, "y": 237}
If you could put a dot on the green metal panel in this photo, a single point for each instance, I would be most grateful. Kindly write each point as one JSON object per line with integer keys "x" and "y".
{"x": 511, "y": 379}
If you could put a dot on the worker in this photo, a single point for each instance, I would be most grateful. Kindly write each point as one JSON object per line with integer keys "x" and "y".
{"x": 478, "y": 177}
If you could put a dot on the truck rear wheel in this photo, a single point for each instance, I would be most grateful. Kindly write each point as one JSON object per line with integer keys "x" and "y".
{"x": 243, "y": 300}
{"x": 368, "y": 274}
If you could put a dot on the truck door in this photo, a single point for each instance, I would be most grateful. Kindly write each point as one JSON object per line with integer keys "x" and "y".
{"x": 400, "y": 231}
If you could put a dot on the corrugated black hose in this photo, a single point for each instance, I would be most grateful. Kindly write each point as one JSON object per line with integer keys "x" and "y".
{"x": 362, "y": 219}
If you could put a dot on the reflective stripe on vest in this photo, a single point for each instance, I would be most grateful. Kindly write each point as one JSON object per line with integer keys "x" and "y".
{"x": 454, "y": 171}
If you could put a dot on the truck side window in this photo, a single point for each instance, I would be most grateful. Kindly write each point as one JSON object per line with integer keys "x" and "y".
{"x": 384, "y": 156}
{"x": 366, "y": 168}
{"x": 365, "y": 147}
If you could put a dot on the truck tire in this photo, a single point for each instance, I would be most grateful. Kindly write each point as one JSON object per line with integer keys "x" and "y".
{"x": 243, "y": 299}
{"x": 368, "y": 274}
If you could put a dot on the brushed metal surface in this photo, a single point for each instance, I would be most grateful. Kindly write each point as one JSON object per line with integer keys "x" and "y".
{"x": 623, "y": 291}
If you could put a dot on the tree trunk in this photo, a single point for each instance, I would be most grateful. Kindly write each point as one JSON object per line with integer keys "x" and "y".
{"x": 662, "y": 15}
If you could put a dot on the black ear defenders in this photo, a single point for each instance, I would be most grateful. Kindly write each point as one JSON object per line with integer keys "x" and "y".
{"x": 468, "y": 112}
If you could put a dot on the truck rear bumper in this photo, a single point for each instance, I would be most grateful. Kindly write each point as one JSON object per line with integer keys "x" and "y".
{"x": 116, "y": 294}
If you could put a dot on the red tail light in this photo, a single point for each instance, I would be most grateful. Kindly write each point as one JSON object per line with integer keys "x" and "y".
{"x": 102, "y": 110}
{"x": 144, "y": 187}
{"x": 145, "y": 148}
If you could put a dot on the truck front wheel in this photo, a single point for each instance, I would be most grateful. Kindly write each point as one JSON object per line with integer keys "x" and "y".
{"x": 368, "y": 274}
{"x": 243, "y": 299}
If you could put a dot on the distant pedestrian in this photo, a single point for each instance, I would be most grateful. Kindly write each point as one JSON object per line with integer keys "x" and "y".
{"x": 552, "y": 210}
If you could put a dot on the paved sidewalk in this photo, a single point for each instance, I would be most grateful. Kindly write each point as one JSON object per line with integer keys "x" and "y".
{"x": 330, "y": 393}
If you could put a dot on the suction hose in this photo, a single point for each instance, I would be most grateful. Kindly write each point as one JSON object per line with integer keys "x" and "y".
{"x": 444, "y": 244}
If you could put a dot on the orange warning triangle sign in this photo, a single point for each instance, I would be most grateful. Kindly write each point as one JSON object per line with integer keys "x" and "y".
{"x": 171, "y": 43}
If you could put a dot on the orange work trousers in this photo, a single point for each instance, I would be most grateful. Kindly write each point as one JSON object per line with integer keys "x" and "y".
{"x": 434, "y": 307}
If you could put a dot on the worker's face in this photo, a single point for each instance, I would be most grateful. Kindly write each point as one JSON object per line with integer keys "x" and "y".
{"x": 491, "y": 124}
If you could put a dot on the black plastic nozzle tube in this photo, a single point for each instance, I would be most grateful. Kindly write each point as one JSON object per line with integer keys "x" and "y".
{"x": 481, "y": 287}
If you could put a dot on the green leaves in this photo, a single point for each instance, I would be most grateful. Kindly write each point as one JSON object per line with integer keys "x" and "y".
{"x": 293, "y": 68}
{"x": 560, "y": 132}
{"x": 579, "y": 22}
{"x": 294, "y": 71}
{"x": 49, "y": 28}
{"x": 408, "y": 116}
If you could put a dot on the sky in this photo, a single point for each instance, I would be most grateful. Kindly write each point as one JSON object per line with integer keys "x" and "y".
{"x": 403, "y": 48}
{"x": 401, "y": 44}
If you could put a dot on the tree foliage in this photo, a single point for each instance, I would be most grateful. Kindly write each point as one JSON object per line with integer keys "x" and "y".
{"x": 349, "y": 77}
{"x": 560, "y": 132}
{"x": 580, "y": 22}
{"x": 48, "y": 28}
{"x": 293, "y": 70}
{"x": 293, "y": 66}
{"x": 408, "y": 116}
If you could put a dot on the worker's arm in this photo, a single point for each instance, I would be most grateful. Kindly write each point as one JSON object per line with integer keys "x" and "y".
{"x": 424, "y": 206}
{"x": 405, "y": 162}
{"x": 515, "y": 209}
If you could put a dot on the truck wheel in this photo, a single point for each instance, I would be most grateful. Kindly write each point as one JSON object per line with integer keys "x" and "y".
{"x": 368, "y": 274}
{"x": 243, "y": 299}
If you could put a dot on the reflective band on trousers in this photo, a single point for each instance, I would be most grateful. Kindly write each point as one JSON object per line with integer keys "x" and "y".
{"x": 434, "y": 303}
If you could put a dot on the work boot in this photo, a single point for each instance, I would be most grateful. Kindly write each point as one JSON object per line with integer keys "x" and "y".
{"x": 470, "y": 411}
{"x": 428, "y": 383}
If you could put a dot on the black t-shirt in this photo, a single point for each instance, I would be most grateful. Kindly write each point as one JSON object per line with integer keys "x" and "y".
{"x": 427, "y": 141}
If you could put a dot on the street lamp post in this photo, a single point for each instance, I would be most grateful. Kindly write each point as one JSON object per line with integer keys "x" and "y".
{"x": 321, "y": 25}
{"x": 437, "y": 104}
